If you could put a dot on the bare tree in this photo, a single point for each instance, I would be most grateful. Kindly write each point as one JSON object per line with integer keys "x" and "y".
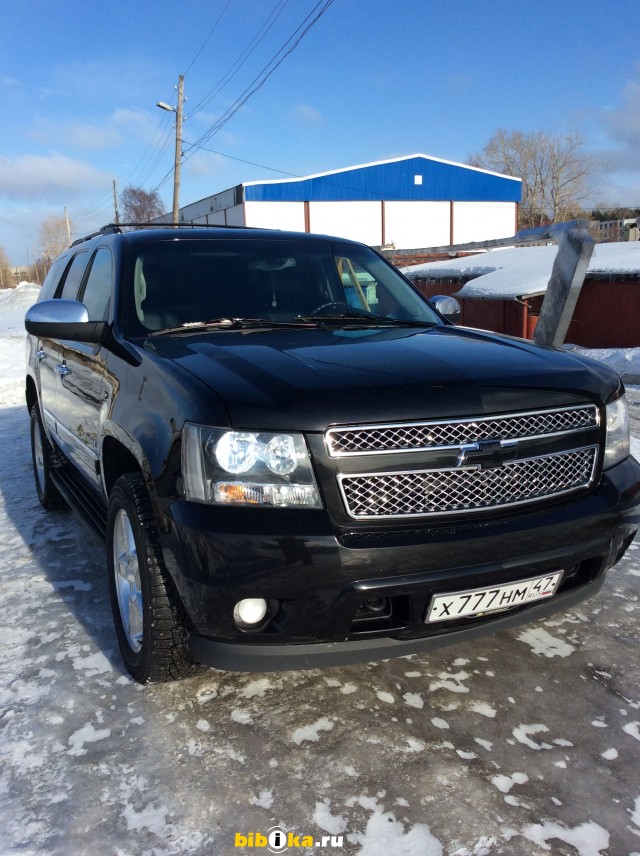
{"x": 54, "y": 237}
{"x": 140, "y": 206}
{"x": 554, "y": 171}
{"x": 6, "y": 275}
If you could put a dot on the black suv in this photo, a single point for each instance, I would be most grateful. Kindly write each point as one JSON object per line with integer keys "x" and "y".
{"x": 296, "y": 461}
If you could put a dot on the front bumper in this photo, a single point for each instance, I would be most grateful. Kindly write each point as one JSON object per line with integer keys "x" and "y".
{"x": 319, "y": 580}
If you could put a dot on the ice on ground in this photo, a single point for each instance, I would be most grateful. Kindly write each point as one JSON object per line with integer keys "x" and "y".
{"x": 86, "y": 734}
{"x": 505, "y": 783}
{"x": 264, "y": 799}
{"x": 483, "y": 709}
{"x": 413, "y": 700}
{"x": 544, "y": 644}
{"x": 633, "y": 729}
{"x": 386, "y": 697}
{"x": 312, "y": 732}
{"x": 589, "y": 839}
{"x": 522, "y": 732}
{"x": 385, "y": 835}
{"x": 451, "y": 682}
{"x": 331, "y": 823}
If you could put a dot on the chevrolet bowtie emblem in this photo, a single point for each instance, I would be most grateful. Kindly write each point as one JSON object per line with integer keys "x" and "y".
{"x": 487, "y": 453}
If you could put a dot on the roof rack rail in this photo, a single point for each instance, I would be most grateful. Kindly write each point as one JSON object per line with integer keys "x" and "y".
{"x": 109, "y": 229}
{"x": 183, "y": 226}
{"x": 116, "y": 228}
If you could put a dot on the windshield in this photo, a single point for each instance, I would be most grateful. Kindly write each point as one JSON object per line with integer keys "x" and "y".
{"x": 191, "y": 282}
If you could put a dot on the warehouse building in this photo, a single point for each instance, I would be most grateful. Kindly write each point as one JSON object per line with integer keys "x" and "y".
{"x": 407, "y": 202}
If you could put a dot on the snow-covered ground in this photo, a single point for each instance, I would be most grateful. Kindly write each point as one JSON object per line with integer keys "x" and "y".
{"x": 522, "y": 744}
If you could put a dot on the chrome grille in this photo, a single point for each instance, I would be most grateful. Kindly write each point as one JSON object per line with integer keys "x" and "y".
{"x": 460, "y": 489}
{"x": 380, "y": 439}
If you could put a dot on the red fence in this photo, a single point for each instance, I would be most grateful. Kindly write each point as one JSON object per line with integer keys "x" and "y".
{"x": 607, "y": 314}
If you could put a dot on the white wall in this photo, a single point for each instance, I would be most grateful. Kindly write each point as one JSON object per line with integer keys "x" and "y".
{"x": 275, "y": 215}
{"x": 482, "y": 221}
{"x": 410, "y": 225}
{"x": 360, "y": 221}
{"x": 216, "y": 219}
{"x": 235, "y": 216}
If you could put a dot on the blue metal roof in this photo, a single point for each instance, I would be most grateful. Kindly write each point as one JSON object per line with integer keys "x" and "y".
{"x": 439, "y": 181}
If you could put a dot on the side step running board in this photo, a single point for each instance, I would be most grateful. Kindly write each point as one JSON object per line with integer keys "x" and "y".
{"x": 86, "y": 504}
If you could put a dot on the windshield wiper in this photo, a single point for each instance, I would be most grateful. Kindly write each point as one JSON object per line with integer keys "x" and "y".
{"x": 231, "y": 324}
{"x": 364, "y": 318}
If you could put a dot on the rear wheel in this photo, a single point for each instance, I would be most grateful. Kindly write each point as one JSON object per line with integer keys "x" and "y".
{"x": 44, "y": 459}
{"x": 146, "y": 612}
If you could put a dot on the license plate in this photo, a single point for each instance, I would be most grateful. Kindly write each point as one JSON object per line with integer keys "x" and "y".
{"x": 462, "y": 604}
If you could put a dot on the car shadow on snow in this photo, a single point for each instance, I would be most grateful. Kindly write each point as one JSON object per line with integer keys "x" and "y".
{"x": 51, "y": 545}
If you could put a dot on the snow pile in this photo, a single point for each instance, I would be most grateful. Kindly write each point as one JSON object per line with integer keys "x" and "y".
{"x": 626, "y": 361}
{"x": 512, "y": 272}
{"x": 14, "y": 302}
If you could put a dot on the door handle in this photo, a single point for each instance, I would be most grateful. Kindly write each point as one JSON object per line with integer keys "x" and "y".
{"x": 62, "y": 369}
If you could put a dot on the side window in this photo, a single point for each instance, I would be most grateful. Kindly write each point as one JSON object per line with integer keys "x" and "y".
{"x": 97, "y": 291}
{"x": 74, "y": 277}
{"x": 52, "y": 278}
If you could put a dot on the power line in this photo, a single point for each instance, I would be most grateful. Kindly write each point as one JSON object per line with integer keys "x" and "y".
{"x": 241, "y": 160}
{"x": 244, "y": 56}
{"x": 211, "y": 31}
{"x": 261, "y": 78}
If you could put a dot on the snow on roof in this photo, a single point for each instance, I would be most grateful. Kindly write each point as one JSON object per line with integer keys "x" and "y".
{"x": 512, "y": 272}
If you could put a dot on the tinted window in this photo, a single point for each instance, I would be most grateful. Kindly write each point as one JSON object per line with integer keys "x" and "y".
{"x": 189, "y": 281}
{"x": 74, "y": 277}
{"x": 52, "y": 278}
{"x": 97, "y": 291}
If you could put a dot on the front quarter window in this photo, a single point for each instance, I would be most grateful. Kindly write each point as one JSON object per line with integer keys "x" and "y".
{"x": 372, "y": 285}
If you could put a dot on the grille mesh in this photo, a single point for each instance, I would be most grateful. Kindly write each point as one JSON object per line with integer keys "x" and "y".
{"x": 461, "y": 490}
{"x": 368, "y": 440}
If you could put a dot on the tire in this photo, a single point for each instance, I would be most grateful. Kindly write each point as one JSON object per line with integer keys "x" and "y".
{"x": 146, "y": 611}
{"x": 44, "y": 459}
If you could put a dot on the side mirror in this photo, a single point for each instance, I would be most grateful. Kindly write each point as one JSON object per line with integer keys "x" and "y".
{"x": 447, "y": 306}
{"x": 63, "y": 319}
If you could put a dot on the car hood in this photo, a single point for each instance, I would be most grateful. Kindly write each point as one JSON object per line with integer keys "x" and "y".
{"x": 306, "y": 379}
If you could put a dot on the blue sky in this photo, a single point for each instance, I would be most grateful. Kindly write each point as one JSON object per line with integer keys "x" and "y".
{"x": 371, "y": 80}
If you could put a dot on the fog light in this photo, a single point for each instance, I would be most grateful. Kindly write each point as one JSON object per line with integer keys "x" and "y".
{"x": 250, "y": 611}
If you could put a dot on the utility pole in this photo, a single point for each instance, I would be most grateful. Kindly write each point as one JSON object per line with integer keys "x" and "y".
{"x": 116, "y": 218}
{"x": 68, "y": 225}
{"x": 176, "y": 170}
{"x": 178, "y": 157}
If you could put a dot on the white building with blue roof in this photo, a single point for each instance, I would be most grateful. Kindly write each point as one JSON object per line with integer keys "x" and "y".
{"x": 408, "y": 202}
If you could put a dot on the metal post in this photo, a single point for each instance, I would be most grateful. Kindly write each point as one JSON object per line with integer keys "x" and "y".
{"x": 570, "y": 265}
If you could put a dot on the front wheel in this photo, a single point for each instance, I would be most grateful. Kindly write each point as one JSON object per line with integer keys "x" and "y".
{"x": 146, "y": 612}
{"x": 44, "y": 458}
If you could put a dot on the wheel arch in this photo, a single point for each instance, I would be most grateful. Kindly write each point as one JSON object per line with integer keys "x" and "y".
{"x": 31, "y": 392}
{"x": 117, "y": 460}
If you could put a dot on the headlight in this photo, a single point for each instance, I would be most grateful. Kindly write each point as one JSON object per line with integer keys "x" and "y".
{"x": 618, "y": 444}
{"x": 226, "y": 467}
